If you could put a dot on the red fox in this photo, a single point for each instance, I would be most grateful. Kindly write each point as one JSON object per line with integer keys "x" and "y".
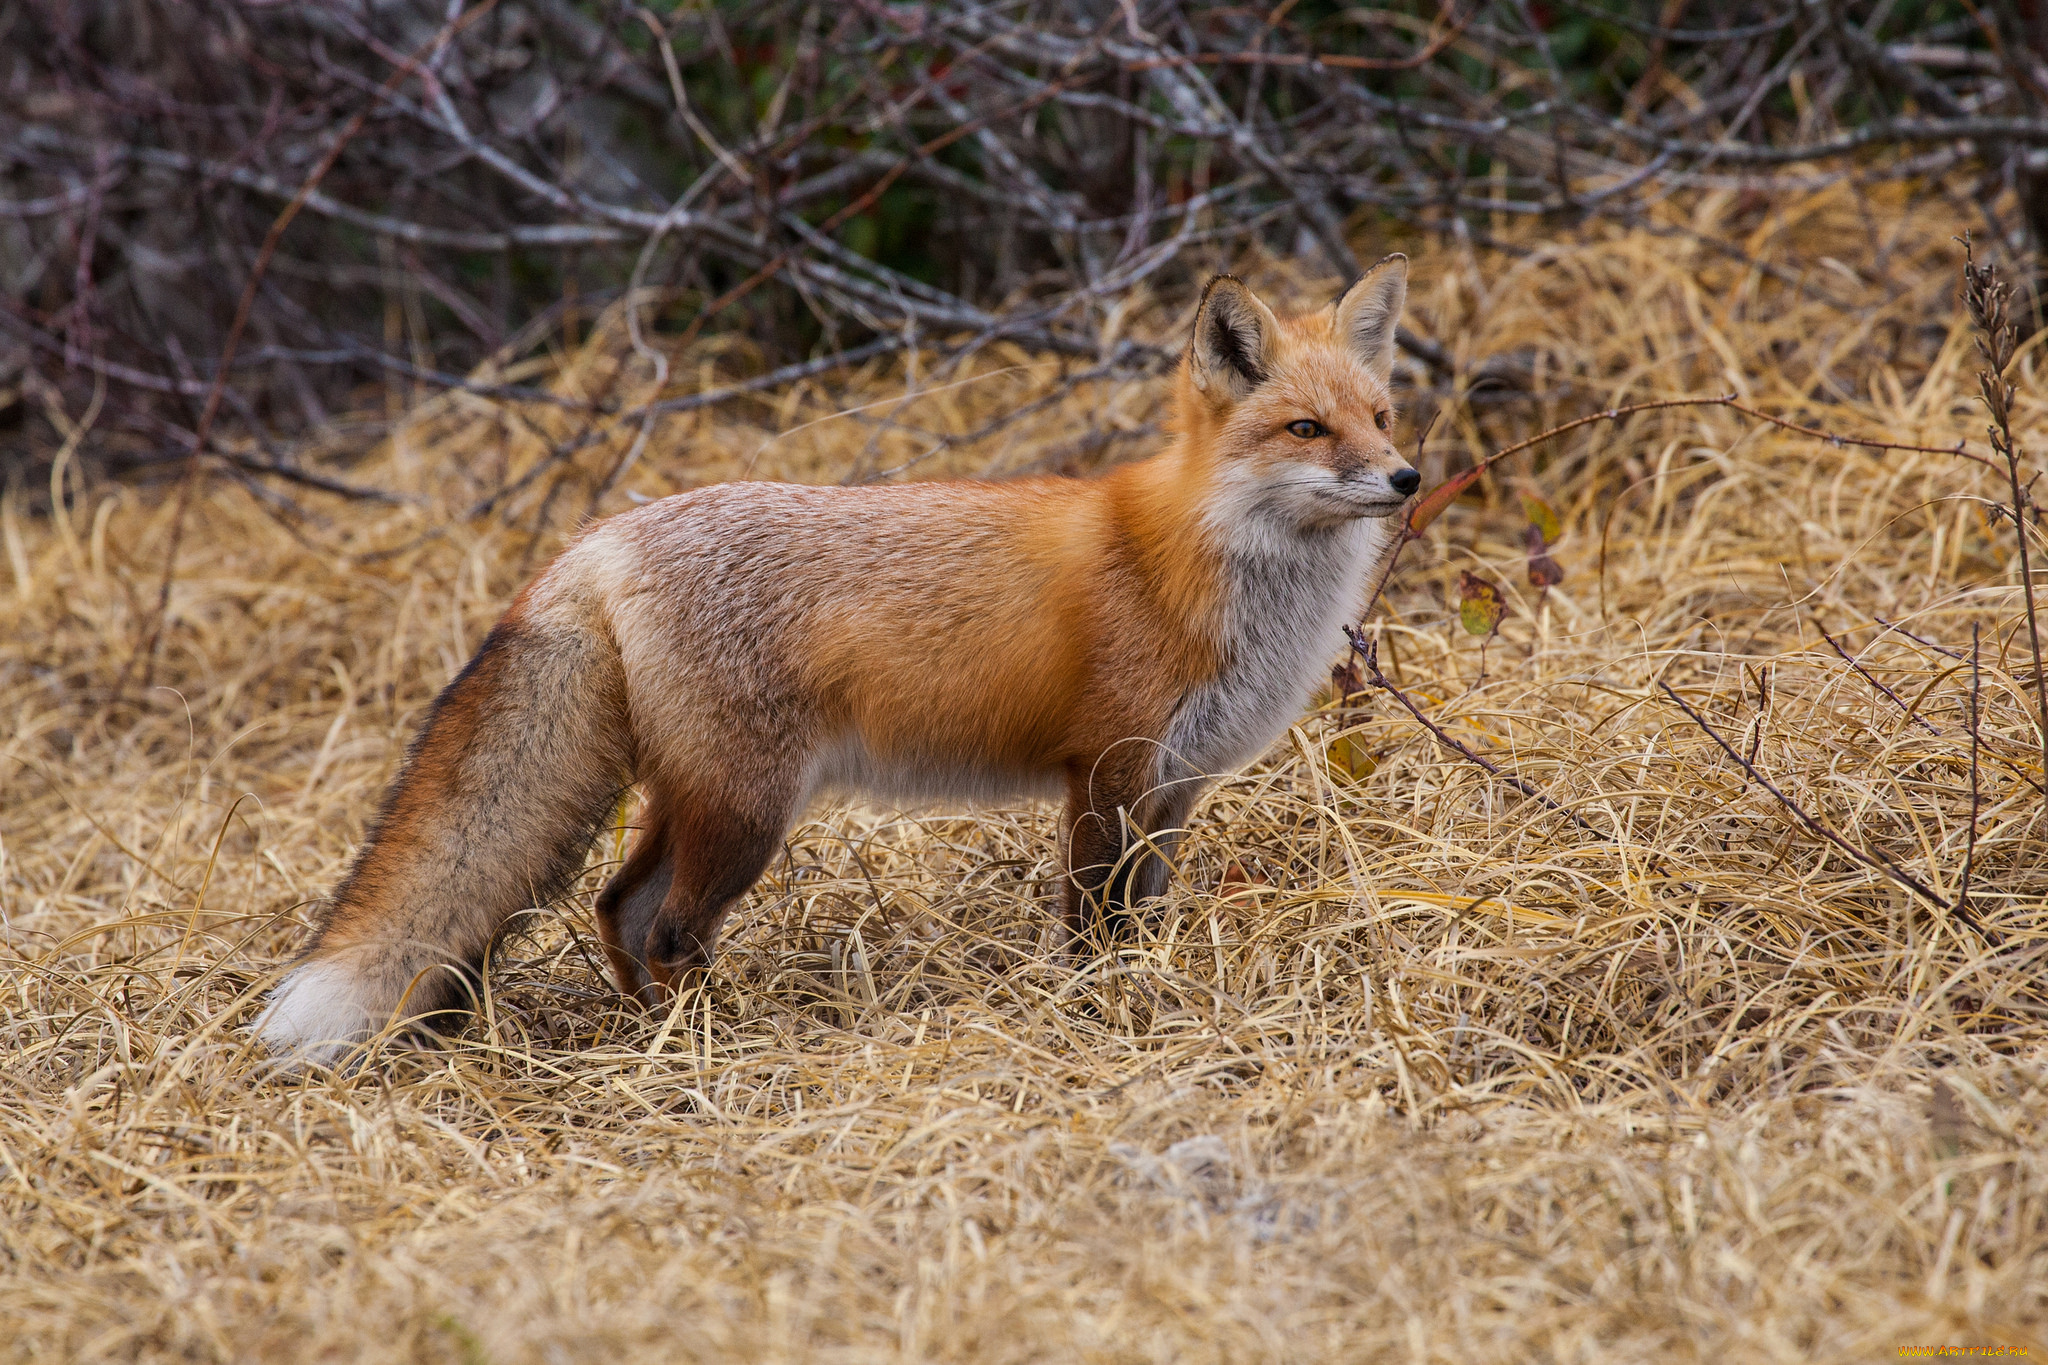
{"x": 739, "y": 649}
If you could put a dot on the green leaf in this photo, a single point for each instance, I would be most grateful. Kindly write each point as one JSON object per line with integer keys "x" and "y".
{"x": 1543, "y": 517}
{"x": 1480, "y": 604}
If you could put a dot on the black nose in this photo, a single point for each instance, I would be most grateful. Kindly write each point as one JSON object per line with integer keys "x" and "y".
{"x": 1405, "y": 482}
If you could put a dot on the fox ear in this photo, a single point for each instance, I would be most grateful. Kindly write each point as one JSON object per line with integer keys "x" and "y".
{"x": 1370, "y": 312}
{"x": 1234, "y": 332}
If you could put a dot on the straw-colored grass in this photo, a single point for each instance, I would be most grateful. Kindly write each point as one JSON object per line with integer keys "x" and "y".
{"x": 1433, "y": 1075}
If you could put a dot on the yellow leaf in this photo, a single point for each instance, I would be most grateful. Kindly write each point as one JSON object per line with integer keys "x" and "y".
{"x": 1480, "y": 604}
{"x": 1348, "y": 757}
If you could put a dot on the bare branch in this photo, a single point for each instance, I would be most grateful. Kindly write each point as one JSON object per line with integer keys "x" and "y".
{"x": 1876, "y": 860}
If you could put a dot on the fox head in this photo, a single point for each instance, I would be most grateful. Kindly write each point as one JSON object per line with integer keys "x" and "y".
{"x": 1298, "y": 414}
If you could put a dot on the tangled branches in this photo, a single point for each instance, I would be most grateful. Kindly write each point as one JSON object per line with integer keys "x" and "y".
{"x": 867, "y": 175}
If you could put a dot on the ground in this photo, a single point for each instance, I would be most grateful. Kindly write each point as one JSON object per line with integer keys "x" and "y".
{"x": 1407, "y": 1065}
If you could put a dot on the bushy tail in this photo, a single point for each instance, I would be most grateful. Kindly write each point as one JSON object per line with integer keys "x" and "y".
{"x": 520, "y": 760}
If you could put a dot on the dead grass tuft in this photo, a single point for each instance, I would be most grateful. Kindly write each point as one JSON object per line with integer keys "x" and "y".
{"x": 1431, "y": 1074}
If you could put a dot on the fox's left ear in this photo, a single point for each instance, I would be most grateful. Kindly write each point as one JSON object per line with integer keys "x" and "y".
{"x": 1370, "y": 311}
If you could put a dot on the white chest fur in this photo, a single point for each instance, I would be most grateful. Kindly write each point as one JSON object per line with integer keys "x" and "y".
{"x": 1290, "y": 595}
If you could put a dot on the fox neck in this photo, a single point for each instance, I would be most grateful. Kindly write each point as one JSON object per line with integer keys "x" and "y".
{"x": 1269, "y": 597}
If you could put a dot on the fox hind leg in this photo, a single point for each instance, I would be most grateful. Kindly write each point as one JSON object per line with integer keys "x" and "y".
{"x": 715, "y": 850}
{"x": 627, "y": 906}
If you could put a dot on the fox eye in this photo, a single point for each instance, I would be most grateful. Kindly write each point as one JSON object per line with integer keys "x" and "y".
{"x": 1382, "y": 420}
{"x": 1307, "y": 430}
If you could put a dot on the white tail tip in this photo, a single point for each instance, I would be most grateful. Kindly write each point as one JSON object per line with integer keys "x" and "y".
{"x": 316, "y": 1014}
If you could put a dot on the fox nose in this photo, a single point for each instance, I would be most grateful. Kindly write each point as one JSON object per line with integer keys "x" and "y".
{"x": 1405, "y": 482}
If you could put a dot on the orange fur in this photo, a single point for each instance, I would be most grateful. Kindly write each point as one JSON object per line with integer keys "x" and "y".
{"x": 740, "y": 649}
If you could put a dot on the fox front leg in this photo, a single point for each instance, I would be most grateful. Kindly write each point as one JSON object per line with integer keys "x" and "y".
{"x": 1117, "y": 834}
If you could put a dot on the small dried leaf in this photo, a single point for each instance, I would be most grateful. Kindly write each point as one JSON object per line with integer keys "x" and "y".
{"x": 1544, "y": 571}
{"x": 1480, "y": 604}
{"x": 1543, "y": 517}
{"x": 1349, "y": 758}
{"x": 1432, "y": 504}
{"x": 1346, "y": 681}
{"x": 1236, "y": 879}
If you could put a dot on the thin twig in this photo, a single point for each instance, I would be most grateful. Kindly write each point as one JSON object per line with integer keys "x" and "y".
{"x": 2015, "y": 769}
{"x": 1763, "y": 713}
{"x": 1871, "y": 678}
{"x": 1875, "y": 860}
{"x": 1920, "y": 639}
{"x": 1986, "y": 297}
{"x": 1865, "y": 442}
{"x": 1368, "y": 653}
{"x": 1432, "y": 503}
{"x": 1970, "y": 846}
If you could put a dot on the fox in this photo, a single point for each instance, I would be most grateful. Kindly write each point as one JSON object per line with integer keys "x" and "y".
{"x": 739, "y": 650}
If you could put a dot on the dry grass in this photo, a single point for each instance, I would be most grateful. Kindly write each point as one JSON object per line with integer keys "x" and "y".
{"x": 1440, "y": 1078}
